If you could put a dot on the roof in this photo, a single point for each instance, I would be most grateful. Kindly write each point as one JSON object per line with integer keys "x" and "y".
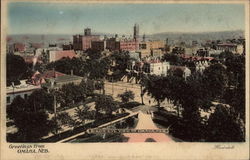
{"x": 22, "y": 88}
{"x": 173, "y": 67}
{"x": 52, "y": 74}
{"x": 65, "y": 53}
{"x": 67, "y": 78}
{"x": 30, "y": 59}
{"x": 63, "y": 79}
{"x": 19, "y": 46}
{"x": 227, "y": 45}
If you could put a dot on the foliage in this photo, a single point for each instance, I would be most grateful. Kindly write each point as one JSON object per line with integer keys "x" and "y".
{"x": 71, "y": 94}
{"x": 121, "y": 61}
{"x": 153, "y": 86}
{"x": 130, "y": 105}
{"x": 31, "y": 124}
{"x": 64, "y": 118}
{"x": 65, "y": 65}
{"x": 87, "y": 87}
{"x": 98, "y": 69}
{"x": 105, "y": 104}
{"x": 16, "y": 68}
{"x": 173, "y": 59}
{"x": 41, "y": 100}
{"x": 216, "y": 79}
{"x": 224, "y": 127}
{"x": 126, "y": 96}
{"x": 83, "y": 114}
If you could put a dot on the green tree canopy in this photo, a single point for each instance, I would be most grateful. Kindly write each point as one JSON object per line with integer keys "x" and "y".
{"x": 15, "y": 69}
{"x": 105, "y": 104}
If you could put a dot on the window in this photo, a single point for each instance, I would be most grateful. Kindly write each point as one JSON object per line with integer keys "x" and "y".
{"x": 8, "y": 99}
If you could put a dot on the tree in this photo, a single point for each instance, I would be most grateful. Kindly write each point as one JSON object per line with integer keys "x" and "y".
{"x": 62, "y": 119}
{"x": 31, "y": 125}
{"x": 66, "y": 65}
{"x": 94, "y": 54}
{"x": 70, "y": 94}
{"x": 126, "y": 96}
{"x": 16, "y": 68}
{"x": 41, "y": 100}
{"x": 153, "y": 86}
{"x": 98, "y": 68}
{"x": 216, "y": 79}
{"x": 121, "y": 61}
{"x": 83, "y": 114}
{"x": 104, "y": 103}
{"x": 173, "y": 59}
{"x": 173, "y": 89}
{"x": 224, "y": 127}
{"x": 17, "y": 106}
{"x": 87, "y": 87}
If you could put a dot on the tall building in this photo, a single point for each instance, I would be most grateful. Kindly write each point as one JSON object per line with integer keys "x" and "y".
{"x": 83, "y": 42}
{"x": 136, "y": 36}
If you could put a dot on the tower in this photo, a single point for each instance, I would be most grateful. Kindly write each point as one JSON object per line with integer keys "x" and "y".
{"x": 136, "y": 36}
{"x": 144, "y": 37}
{"x": 136, "y": 32}
{"x": 87, "y": 31}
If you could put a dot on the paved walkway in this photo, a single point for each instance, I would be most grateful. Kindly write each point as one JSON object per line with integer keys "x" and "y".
{"x": 145, "y": 122}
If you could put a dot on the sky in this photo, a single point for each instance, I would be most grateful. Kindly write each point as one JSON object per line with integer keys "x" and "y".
{"x": 59, "y": 18}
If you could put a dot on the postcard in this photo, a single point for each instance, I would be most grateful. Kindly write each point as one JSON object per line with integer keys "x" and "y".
{"x": 124, "y": 79}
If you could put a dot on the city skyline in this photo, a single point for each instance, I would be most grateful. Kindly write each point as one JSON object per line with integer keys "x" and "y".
{"x": 58, "y": 18}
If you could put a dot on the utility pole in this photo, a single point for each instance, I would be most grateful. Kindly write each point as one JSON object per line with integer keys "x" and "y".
{"x": 112, "y": 85}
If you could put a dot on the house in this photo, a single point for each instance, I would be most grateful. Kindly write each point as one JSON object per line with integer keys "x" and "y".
{"x": 38, "y": 78}
{"x": 153, "y": 66}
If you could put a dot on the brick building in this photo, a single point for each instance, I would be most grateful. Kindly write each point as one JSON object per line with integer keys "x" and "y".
{"x": 83, "y": 42}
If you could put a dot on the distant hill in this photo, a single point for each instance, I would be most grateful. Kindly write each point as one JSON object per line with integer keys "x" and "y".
{"x": 200, "y": 37}
{"x": 173, "y": 37}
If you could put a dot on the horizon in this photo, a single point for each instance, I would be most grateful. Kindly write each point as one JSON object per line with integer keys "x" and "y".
{"x": 174, "y": 32}
{"x": 59, "y": 18}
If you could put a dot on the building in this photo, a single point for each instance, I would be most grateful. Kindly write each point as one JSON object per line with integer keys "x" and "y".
{"x": 19, "y": 47}
{"x": 157, "y": 68}
{"x": 98, "y": 45}
{"x": 55, "y": 55}
{"x": 128, "y": 45}
{"x": 153, "y": 67}
{"x": 83, "y": 42}
{"x": 77, "y": 42}
{"x": 200, "y": 66}
{"x": 23, "y": 90}
{"x": 113, "y": 44}
{"x": 67, "y": 46}
{"x": 58, "y": 82}
{"x": 38, "y": 78}
{"x": 151, "y": 48}
{"x": 227, "y": 47}
{"x": 136, "y": 36}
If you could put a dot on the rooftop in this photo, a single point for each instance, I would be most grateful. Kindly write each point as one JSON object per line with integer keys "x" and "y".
{"x": 21, "y": 88}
